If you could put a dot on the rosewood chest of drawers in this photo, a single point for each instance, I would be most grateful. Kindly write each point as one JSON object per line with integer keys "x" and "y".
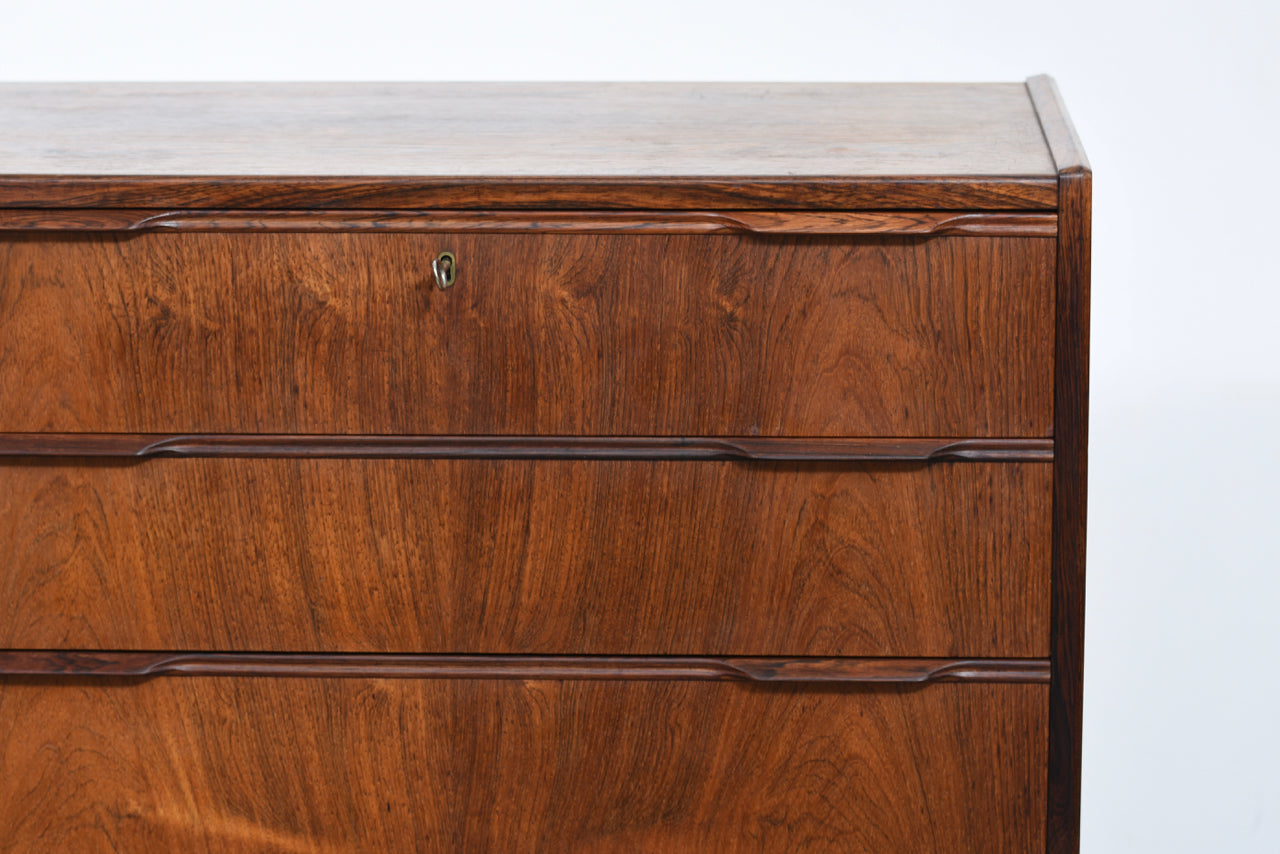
{"x": 480, "y": 467}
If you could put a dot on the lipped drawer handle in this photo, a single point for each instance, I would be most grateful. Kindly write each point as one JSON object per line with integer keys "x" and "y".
{"x": 445, "y": 268}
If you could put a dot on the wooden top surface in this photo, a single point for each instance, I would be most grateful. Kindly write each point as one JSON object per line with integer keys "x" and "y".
{"x": 643, "y": 133}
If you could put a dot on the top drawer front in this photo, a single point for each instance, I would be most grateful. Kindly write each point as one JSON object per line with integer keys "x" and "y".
{"x": 544, "y": 333}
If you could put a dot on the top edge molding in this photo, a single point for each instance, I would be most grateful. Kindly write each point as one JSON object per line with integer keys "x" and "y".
{"x": 158, "y": 193}
{"x": 1059, "y": 131}
{"x": 926, "y": 223}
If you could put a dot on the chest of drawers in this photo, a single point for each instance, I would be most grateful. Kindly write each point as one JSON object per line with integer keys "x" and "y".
{"x": 575, "y": 467}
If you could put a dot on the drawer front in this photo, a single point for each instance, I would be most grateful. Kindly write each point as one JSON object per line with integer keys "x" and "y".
{"x": 527, "y": 556}
{"x": 543, "y": 334}
{"x": 254, "y": 764}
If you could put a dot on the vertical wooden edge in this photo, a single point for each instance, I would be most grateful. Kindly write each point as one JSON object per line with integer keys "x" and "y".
{"x": 1070, "y": 467}
{"x": 1070, "y": 478}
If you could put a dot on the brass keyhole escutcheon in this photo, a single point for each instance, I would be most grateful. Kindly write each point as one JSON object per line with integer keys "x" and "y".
{"x": 445, "y": 268}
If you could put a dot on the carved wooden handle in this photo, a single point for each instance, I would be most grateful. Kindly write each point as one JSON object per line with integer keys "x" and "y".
{"x": 913, "y": 671}
{"x": 148, "y": 445}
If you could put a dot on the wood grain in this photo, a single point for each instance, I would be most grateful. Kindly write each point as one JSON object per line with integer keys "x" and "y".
{"x": 946, "y": 560}
{"x": 141, "y": 446}
{"x": 1071, "y": 467}
{"x": 733, "y": 499}
{"x": 520, "y": 129}
{"x": 485, "y": 145}
{"x": 245, "y": 764}
{"x": 579, "y": 222}
{"x": 544, "y": 334}
{"x": 933, "y": 192}
{"x": 912, "y": 671}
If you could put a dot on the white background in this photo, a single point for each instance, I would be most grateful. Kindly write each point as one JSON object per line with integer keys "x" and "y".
{"x": 1177, "y": 104}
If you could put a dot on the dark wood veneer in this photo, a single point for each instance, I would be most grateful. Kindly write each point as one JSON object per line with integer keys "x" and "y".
{"x": 508, "y": 556}
{"x": 543, "y": 334}
{"x": 732, "y": 499}
{"x": 1070, "y": 479}
{"x": 520, "y": 222}
{"x": 229, "y": 764}
{"x": 648, "y": 146}
{"x": 939, "y": 192}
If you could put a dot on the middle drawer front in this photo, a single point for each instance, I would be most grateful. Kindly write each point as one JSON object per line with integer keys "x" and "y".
{"x": 527, "y": 556}
{"x": 543, "y": 334}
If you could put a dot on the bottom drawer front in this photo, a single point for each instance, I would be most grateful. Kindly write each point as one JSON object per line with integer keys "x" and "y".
{"x": 525, "y": 556}
{"x": 292, "y": 764}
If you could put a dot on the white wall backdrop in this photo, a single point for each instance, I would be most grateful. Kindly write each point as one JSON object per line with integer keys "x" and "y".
{"x": 1178, "y": 104}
